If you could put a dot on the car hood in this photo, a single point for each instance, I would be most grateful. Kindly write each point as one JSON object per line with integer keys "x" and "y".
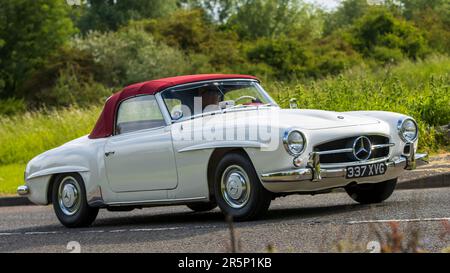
{"x": 304, "y": 119}
{"x": 319, "y": 119}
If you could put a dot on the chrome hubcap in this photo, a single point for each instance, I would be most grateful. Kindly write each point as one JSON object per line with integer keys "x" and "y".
{"x": 69, "y": 196}
{"x": 235, "y": 186}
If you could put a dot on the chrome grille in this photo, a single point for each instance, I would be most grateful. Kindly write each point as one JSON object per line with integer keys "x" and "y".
{"x": 341, "y": 150}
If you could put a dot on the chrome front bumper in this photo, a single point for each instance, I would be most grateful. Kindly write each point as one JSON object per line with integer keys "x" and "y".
{"x": 314, "y": 172}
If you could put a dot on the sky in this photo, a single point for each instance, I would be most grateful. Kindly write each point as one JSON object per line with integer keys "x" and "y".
{"x": 329, "y": 4}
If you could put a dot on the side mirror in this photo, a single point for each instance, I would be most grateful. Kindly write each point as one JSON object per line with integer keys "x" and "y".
{"x": 226, "y": 103}
{"x": 177, "y": 114}
{"x": 293, "y": 103}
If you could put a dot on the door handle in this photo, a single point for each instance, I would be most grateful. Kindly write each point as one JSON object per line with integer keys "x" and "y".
{"x": 109, "y": 153}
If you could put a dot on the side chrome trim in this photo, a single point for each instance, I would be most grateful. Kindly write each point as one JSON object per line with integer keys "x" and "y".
{"x": 157, "y": 202}
{"x": 223, "y": 144}
{"x": 63, "y": 169}
{"x": 316, "y": 172}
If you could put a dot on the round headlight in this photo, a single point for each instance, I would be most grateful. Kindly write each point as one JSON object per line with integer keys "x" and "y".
{"x": 294, "y": 142}
{"x": 408, "y": 130}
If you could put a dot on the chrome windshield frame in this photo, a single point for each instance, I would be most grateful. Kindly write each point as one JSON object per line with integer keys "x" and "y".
{"x": 221, "y": 111}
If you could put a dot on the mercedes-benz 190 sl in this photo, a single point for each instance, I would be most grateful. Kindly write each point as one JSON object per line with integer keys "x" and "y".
{"x": 218, "y": 140}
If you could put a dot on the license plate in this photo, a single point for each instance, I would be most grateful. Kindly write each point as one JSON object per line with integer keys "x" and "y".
{"x": 366, "y": 170}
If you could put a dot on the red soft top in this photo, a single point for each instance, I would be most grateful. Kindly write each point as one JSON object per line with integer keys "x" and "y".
{"x": 105, "y": 123}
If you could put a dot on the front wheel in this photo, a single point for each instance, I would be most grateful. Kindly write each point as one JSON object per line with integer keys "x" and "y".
{"x": 69, "y": 201}
{"x": 372, "y": 193}
{"x": 237, "y": 189}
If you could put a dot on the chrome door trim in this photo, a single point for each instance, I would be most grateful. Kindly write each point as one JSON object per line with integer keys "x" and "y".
{"x": 161, "y": 201}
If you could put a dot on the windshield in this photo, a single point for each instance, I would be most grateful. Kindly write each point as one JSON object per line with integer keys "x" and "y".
{"x": 186, "y": 101}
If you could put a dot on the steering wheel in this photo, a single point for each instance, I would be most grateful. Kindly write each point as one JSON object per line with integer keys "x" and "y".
{"x": 245, "y": 97}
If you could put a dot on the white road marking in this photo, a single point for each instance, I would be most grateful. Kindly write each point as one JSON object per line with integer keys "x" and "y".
{"x": 399, "y": 220}
{"x": 117, "y": 230}
{"x": 153, "y": 229}
{"x": 92, "y": 231}
{"x": 42, "y": 232}
{"x": 101, "y": 231}
{"x": 9, "y": 234}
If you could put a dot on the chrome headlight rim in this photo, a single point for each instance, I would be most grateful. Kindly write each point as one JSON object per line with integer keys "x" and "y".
{"x": 401, "y": 130}
{"x": 286, "y": 144}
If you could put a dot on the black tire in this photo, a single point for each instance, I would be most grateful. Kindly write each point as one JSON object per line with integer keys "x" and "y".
{"x": 372, "y": 193}
{"x": 81, "y": 214}
{"x": 201, "y": 207}
{"x": 258, "y": 199}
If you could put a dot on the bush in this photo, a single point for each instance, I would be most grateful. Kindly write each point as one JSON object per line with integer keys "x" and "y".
{"x": 191, "y": 32}
{"x": 382, "y": 36}
{"x": 70, "y": 67}
{"x": 71, "y": 90}
{"x": 12, "y": 106}
{"x": 291, "y": 58}
{"x": 131, "y": 55}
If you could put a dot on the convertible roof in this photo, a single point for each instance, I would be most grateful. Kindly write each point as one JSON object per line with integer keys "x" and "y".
{"x": 105, "y": 123}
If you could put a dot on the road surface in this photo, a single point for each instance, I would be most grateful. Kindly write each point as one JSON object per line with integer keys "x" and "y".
{"x": 322, "y": 223}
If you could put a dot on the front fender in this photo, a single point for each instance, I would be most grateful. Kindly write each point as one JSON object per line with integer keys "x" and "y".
{"x": 84, "y": 158}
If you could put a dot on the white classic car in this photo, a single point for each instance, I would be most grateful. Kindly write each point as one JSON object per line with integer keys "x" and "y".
{"x": 208, "y": 140}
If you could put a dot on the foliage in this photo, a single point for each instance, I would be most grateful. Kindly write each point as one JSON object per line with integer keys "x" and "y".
{"x": 208, "y": 49}
{"x": 25, "y": 136}
{"x": 382, "y": 36}
{"x": 106, "y": 15}
{"x": 218, "y": 11}
{"x": 131, "y": 55}
{"x": 71, "y": 69}
{"x": 348, "y": 12}
{"x": 12, "y": 106}
{"x": 30, "y": 31}
{"x": 267, "y": 18}
{"x": 11, "y": 176}
{"x": 70, "y": 90}
{"x": 292, "y": 59}
{"x": 433, "y": 17}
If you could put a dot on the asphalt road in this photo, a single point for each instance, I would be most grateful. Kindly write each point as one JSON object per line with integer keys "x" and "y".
{"x": 322, "y": 223}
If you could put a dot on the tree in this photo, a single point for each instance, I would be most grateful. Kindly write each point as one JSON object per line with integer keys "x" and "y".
{"x": 265, "y": 18}
{"x": 218, "y": 11}
{"x": 131, "y": 55}
{"x": 30, "y": 31}
{"x": 347, "y": 12}
{"x": 212, "y": 50}
{"x": 105, "y": 15}
{"x": 382, "y": 36}
{"x": 433, "y": 17}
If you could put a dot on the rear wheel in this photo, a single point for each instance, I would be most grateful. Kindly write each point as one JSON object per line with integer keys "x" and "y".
{"x": 237, "y": 189}
{"x": 69, "y": 201}
{"x": 200, "y": 207}
{"x": 372, "y": 193}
